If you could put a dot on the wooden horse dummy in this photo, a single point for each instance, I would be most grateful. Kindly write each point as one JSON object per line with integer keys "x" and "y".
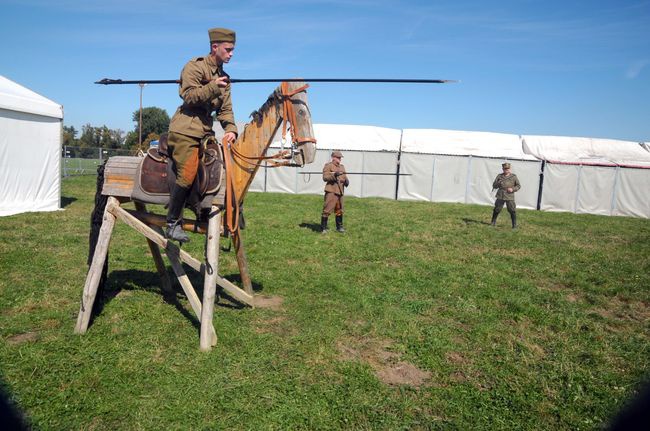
{"x": 223, "y": 181}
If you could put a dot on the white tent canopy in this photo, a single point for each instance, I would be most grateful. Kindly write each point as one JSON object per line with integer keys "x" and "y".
{"x": 587, "y": 151}
{"x": 30, "y": 150}
{"x": 461, "y": 143}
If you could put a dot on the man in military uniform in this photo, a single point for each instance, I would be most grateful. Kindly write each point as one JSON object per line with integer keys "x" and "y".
{"x": 506, "y": 184}
{"x": 336, "y": 181}
{"x": 204, "y": 88}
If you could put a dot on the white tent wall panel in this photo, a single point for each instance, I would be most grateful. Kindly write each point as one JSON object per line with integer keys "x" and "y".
{"x": 450, "y": 179}
{"x": 379, "y": 186}
{"x": 259, "y": 181}
{"x": 418, "y": 185}
{"x": 596, "y": 190}
{"x": 632, "y": 196}
{"x": 30, "y": 162}
{"x": 281, "y": 180}
{"x": 560, "y": 187}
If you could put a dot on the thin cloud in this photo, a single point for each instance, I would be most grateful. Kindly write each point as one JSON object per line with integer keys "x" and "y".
{"x": 636, "y": 68}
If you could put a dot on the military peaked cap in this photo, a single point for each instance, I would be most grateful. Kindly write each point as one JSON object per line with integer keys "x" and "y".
{"x": 506, "y": 166}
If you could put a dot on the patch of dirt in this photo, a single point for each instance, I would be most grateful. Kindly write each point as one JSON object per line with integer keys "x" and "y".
{"x": 275, "y": 325}
{"x": 403, "y": 373}
{"x": 271, "y": 302}
{"x": 572, "y": 298}
{"x": 455, "y": 358}
{"x": 22, "y": 338}
{"x": 388, "y": 366}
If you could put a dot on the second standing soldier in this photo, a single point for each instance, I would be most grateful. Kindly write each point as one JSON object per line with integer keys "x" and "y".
{"x": 336, "y": 181}
{"x": 506, "y": 184}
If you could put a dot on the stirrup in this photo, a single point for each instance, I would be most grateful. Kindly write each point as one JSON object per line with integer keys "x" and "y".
{"x": 175, "y": 231}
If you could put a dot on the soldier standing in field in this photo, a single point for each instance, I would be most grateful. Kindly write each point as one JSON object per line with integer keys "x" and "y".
{"x": 336, "y": 181}
{"x": 506, "y": 184}
{"x": 204, "y": 88}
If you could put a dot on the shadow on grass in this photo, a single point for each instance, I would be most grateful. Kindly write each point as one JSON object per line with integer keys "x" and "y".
{"x": 130, "y": 280}
{"x": 11, "y": 416}
{"x": 315, "y": 227}
{"x": 469, "y": 221}
{"x": 66, "y": 201}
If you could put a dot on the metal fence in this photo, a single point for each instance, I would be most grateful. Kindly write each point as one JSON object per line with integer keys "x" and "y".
{"x": 84, "y": 160}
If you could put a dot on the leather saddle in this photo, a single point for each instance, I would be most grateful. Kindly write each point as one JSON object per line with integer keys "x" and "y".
{"x": 157, "y": 174}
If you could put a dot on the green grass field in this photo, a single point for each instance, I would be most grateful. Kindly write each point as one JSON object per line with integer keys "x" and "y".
{"x": 420, "y": 317}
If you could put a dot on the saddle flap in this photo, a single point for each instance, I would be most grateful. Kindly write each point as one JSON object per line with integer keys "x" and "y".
{"x": 153, "y": 174}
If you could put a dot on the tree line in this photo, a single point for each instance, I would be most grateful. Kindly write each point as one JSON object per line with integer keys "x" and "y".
{"x": 155, "y": 121}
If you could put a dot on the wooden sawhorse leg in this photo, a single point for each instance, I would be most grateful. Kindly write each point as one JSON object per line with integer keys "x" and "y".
{"x": 210, "y": 277}
{"x": 96, "y": 266}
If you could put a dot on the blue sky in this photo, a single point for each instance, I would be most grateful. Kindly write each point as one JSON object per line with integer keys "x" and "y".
{"x": 570, "y": 68}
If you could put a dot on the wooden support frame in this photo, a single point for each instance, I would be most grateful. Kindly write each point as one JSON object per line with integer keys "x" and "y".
{"x": 139, "y": 220}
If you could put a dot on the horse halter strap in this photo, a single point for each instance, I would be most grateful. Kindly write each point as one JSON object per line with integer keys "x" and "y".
{"x": 289, "y": 114}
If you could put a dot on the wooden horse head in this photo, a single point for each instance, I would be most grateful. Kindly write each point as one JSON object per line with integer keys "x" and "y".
{"x": 287, "y": 106}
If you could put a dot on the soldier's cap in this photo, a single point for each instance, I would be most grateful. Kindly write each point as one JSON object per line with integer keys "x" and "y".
{"x": 505, "y": 165}
{"x": 337, "y": 154}
{"x": 221, "y": 35}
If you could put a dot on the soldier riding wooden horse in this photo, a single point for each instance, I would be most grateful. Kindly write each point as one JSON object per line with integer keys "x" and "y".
{"x": 223, "y": 172}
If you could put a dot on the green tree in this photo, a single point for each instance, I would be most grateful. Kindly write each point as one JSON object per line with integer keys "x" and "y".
{"x": 69, "y": 136}
{"x": 154, "y": 121}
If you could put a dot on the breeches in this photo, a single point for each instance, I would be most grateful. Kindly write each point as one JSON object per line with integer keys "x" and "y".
{"x": 333, "y": 202}
{"x": 184, "y": 150}
{"x": 498, "y": 205}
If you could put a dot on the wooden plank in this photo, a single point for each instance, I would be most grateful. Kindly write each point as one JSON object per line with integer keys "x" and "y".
{"x": 119, "y": 175}
{"x": 96, "y": 267}
{"x": 185, "y": 257}
{"x": 209, "y": 279}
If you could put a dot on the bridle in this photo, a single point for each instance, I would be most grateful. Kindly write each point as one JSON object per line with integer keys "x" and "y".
{"x": 281, "y": 158}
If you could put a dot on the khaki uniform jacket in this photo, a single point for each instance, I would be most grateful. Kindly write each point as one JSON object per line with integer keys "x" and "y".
{"x": 502, "y": 183}
{"x": 200, "y": 100}
{"x": 333, "y": 184}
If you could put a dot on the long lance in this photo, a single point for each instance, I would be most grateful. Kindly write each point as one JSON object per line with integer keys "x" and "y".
{"x": 362, "y": 173}
{"x": 109, "y": 81}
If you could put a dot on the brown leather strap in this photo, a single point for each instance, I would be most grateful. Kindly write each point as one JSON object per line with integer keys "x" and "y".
{"x": 232, "y": 204}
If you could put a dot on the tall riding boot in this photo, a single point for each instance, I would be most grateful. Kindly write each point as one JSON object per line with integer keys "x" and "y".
{"x": 339, "y": 223}
{"x": 513, "y": 217}
{"x": 323, "y": 224}
{"x": 495, "y": 214}
{"x": 175, "y": 214}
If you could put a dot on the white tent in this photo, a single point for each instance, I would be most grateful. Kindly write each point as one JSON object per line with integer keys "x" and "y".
{"x": 30, "y": 150}
{"x": 366, "y": 149}
{"x": 459, "y": 166}
{"x": 595, "y": 176}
